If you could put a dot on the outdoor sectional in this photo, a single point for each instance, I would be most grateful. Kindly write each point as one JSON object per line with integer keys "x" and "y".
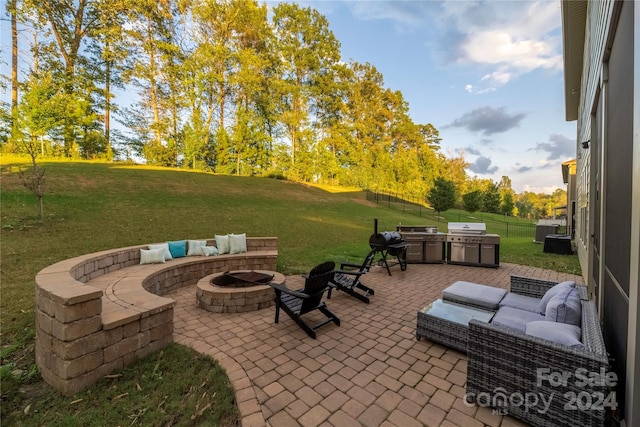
{"x": 536, "y": 380}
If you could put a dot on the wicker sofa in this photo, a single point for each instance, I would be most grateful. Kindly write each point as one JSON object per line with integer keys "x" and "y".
{"x": 538, "y": 381}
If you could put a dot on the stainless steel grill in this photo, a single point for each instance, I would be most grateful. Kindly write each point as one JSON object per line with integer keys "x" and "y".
{"x": 468, "y": 244}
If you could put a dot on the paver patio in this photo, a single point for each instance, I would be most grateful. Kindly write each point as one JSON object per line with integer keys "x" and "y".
{"x": 370, "y": 371}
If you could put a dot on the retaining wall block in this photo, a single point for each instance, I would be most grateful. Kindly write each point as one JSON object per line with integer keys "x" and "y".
{"x": 78, "y": 329}
{"x": 43, "y": 322}
{"x": 45, "y": 304}
{"x": 130, "y": 329}
{"x": 156, "y": 319}
{"x": 71, "y": 313}
{"x": 67, "y": 369}
{"x": 127, "y": 346}
{"x": 161, "y": 331}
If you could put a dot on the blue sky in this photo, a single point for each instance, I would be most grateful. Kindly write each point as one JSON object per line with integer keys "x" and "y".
{"x": 487, "y": 74}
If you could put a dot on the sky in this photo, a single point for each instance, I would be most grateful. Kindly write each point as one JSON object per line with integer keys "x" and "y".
{"x": 487, "y": 74}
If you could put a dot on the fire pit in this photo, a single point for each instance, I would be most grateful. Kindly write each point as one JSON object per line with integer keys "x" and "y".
{"x": 237, "y": 291}
{"x": 241, "y": 279}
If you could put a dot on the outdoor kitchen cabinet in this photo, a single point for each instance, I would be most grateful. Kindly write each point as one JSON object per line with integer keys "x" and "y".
{"x": 415, "y": 250}
{"x": 426, "y": 244}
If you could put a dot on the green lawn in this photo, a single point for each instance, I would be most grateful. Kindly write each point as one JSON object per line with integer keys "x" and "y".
{"x": 96, "y": 206}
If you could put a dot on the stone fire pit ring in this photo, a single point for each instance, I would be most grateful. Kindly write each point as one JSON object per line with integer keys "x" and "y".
{"x": 222, "y": 299}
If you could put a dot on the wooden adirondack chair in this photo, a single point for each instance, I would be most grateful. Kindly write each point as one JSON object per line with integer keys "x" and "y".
{"x": 303, "y": 301}
{"x": 347, "y": 279}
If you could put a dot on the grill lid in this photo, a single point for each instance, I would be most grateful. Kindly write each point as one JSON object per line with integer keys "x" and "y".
{"x": 385, "y": 239}
{"x": 467, "y": 228}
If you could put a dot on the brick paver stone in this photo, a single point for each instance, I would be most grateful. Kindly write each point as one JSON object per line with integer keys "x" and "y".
{"x": 369, "y": 371}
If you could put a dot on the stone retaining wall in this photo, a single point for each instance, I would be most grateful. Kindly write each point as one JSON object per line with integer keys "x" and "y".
{"x": 97, "y": 313}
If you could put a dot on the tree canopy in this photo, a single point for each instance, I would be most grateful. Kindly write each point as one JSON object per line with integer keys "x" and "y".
{"x": 442, "y": 195}
{"x": 225, "y": 86}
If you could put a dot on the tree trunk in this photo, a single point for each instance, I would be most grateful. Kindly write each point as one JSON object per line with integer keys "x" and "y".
{"x": 14, "y": 57}
{"x": 107, "y": 103}
{"x": 14, "y": 68}
{"x": 152, "y": 83}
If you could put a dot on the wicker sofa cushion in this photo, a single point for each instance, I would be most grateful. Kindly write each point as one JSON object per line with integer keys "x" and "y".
{"x": 542, "y": 308}
{"x": 565, "y": 307}
{"x": 515, "y": 319}
{"x": 521, "y": 302}
{"x": 561, "y": 333}
{"x": 474, "y": 294}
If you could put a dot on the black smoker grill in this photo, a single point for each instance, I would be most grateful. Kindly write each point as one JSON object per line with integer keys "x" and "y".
{"x": 389, "y": 243}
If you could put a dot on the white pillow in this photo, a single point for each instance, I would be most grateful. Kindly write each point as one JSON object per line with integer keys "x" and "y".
{"x": 193, "y": 247}
{"x": 222, "y": 243}
{"x": 237, "y": 243}
{"x": 208, "y": 250}
{"x": 152, "y": 256}
{"x": 165, "y": 246}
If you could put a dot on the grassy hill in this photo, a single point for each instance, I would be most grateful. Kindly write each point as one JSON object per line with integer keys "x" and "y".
{"x": 96, "y": 206}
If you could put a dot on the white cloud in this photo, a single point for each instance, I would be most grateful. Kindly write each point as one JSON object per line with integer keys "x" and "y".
{"x": 513, "y": 38}
{"x": 549, "y": 189}
{"x": 404, "y": 13}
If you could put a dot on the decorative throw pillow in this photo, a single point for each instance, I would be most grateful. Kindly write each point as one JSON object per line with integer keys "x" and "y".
{"x": 222, "y": 243}
{"x": 542, "y": 307}
{"x": 165, "y": 246}
{"x": 208, "y": 250}
{"x": 560, "y": 333}
{"x": 152, "y": 256}
{"x": 237, "y": 243}
{"x": 193, "y": 247}
{"x": 178, "y": 248}
{"x": 565, "y": 307}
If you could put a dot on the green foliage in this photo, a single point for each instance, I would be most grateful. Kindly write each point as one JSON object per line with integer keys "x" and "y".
{"x": 222, "y": 86}
{"x": 507, "y": 205}
{"x": 491, "y": 199}
{"x": 442, "y": 196}
{"x": 472, "y": 202}
{"x": 174, "y": 386}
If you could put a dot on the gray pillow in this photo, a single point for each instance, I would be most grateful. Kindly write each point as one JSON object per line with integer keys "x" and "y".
{"x": 542, "y": 307}
{"x": 565, "y": 307}
{"x": 560, "y": 333}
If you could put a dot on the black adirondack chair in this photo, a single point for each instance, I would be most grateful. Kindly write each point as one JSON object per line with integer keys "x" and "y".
{"x": 303, "y": 301}
{"x": 347, "y": 279}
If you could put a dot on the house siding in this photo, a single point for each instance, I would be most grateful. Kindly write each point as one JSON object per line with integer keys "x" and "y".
{"x": 608, "y": 179}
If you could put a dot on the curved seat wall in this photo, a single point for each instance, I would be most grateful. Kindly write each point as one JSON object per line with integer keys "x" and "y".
{"x": 96, "y": 313}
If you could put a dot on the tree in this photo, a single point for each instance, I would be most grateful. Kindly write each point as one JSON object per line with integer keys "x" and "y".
{"x": 442, "y": 196}
{"x": 40, "y": 112}
{"x": 11, "y": 7}
{"x": 507, "y": 205}
{"x": 308, "y": 49}
{"x": 491, "y": 199}
{"x": 72, "y": 25}
{"x": 472, "y": 201}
